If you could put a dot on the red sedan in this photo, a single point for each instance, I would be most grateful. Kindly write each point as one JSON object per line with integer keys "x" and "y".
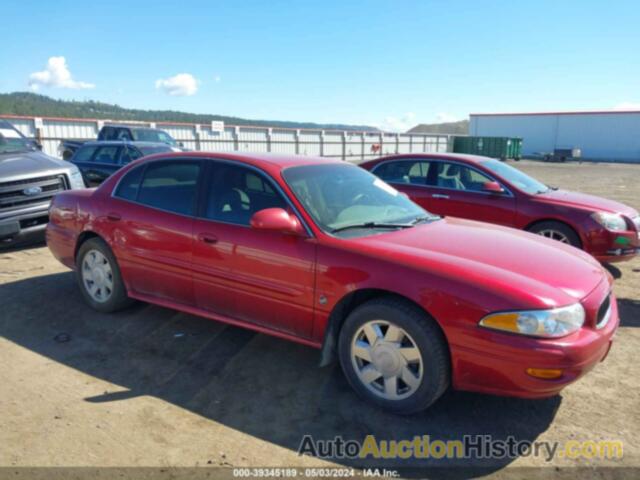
{"x": 485, "y": 189}
{"x": 324, "y": 253}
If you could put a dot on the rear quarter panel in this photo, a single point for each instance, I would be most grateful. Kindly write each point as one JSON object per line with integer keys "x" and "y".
{"x": 71, "y": 213}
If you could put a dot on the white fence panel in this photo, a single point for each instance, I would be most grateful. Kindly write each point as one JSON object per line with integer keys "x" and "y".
{"x": 253, "y": 139}
{"x": 348, "y": 145}
{"x": 309, "y": 141}
{"x": 332, "y": 145}
{"x": 389, "y": 144}
{"x": 283, "y": 141}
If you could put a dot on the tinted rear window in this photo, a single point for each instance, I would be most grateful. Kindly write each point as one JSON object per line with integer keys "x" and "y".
{"x": 170, "y": 186}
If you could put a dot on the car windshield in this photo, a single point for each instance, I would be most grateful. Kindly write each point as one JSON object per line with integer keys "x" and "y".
{"x": 346, "y": 200}
{"x": 514, "y": 176}
{"x": 150, "y": 135}
{"x": 12, "y": 141}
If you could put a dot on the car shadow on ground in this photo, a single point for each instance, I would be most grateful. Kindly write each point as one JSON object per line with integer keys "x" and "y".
{"x": 265, "y": 387}
{"x": 613, "y": 270}
{"x": 629, "y": 311}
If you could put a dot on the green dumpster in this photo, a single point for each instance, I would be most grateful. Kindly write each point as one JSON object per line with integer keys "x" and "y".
{"x": 496, "y": 147}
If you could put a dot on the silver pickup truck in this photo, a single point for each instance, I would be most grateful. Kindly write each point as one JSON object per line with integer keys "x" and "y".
{"x": 28, "y": 181}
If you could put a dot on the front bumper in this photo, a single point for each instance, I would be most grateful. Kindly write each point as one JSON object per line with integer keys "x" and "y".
{"x": 24, "y": 228}
{"x": 610, "y": 247}
{"x": 496, "y": 363}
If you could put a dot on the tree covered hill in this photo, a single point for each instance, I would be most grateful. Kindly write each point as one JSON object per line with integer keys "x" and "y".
{"x": 454, "y": 128}
{"x": 31, "y": 104}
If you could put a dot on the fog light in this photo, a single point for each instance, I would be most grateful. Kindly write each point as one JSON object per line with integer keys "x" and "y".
{"x": 545, "y": 373}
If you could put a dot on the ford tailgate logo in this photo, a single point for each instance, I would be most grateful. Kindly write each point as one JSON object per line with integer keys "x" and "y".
{"x": 31, "y": 191}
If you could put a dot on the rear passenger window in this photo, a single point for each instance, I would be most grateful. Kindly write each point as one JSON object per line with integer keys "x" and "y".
{"x": 107, "y": 155}
{"x": 128, "y": 186}
{"x": 129, "y": 154}
{"x": 84, "y": 154}
{"x": 170, "y": 186}
{"x": 404, "y": 171}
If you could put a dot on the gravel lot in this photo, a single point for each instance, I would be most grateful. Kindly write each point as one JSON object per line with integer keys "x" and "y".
{"x": 153, "y": 387}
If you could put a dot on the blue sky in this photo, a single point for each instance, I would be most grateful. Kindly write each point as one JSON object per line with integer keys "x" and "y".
{"x": 385, "y": 63}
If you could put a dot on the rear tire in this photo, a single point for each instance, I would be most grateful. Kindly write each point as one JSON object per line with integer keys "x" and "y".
{"x": 557, "y": 231}
{"x": 99, "y": 278}
{"x": 408, "y": 366}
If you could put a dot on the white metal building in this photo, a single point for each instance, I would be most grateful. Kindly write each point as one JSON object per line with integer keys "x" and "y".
{"x": 600, "y": 135}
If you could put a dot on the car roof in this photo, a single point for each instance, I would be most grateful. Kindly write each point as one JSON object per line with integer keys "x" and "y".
{"x": 134, "y": 127}
{"x": 127, "y": 142}
{"x": 463, "y": 157}
{"x": 266, "y": 161}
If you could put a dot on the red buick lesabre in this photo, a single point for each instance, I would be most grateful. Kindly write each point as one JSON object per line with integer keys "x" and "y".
{"x": 485, "y": 189}
{"x": 324, "y": 253}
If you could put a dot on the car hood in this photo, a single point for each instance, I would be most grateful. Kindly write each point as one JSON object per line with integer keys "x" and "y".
{"x": 585, "y": 201}
{"x": 28, "y": 163}
{"x": 532, "y": 269}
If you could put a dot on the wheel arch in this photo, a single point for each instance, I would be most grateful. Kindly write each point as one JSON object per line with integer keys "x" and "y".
{"x": 347, "y": 304}
{"x": 83, "y": 237}
{"x": 556, "y": 220}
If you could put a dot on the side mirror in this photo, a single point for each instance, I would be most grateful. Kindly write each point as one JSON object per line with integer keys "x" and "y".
{"x": 492, "y": 187}
{"x": 277, "y": 220}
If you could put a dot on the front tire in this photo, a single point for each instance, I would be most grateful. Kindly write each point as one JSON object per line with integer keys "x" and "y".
{"x": 557, "y": 231}
{"x": 99, "y": 277}
{"x": 394, "y": 355}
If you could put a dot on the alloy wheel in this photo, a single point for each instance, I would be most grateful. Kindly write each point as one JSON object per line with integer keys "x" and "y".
{"x": 386, "y": 360}
{"x": 554, "y": 235}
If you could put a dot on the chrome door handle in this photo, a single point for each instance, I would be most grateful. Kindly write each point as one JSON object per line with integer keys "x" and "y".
{"x": 438, "y": 195}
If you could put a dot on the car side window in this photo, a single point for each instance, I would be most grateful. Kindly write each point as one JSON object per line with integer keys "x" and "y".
{"x": 404, "y": 171}
{"x": 129, "y": 154}
{"x": 170, "y": 186}
{"x": 123, "y": 134}
{"x": 129, "y": 184}
{"x": 84, "y": 154}
{"x": 108, "y": 133}
{"x": 107, "y": 155}
{"x": 460, "y": 177}
{"x": 235, "y": 193}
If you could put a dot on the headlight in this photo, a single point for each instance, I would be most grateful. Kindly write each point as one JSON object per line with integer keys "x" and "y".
{"x": 554, "y": 323}
{"x": 75, "y": 178}
{"x": 610, "y": 221}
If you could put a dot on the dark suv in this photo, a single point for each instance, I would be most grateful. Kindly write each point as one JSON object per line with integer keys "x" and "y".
{"x": 98, "y": 160}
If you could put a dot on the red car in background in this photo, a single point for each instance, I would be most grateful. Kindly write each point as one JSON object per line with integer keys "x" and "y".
{"x": 487, "y": 190}
{"x": 323, "y": 253}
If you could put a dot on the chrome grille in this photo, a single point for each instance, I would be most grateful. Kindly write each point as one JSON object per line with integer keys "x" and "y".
{"x": 15, "y": 195}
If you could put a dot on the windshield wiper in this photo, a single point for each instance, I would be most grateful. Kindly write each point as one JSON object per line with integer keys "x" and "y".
{"x": 549, "y": 188}
{"x": 372, "y": 225}
{"x": 424, "y": 218}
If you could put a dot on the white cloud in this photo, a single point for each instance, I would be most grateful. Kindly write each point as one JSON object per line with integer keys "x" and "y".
{"x": 180, "y": 85}
{"x": 217, "y": 79}
{"x": 398, "y": 124}
{"x": 627, "y": 106}
{"x": 56, "y": 74}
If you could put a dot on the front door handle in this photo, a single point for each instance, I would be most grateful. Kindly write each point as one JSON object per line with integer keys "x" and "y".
{"x": 113, "y": 217}
{"x": 208, "y": 238}
{"x": 439, "y": 195}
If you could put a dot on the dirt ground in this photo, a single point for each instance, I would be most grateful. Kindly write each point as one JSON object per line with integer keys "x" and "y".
{"x": 156, "y": 388}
